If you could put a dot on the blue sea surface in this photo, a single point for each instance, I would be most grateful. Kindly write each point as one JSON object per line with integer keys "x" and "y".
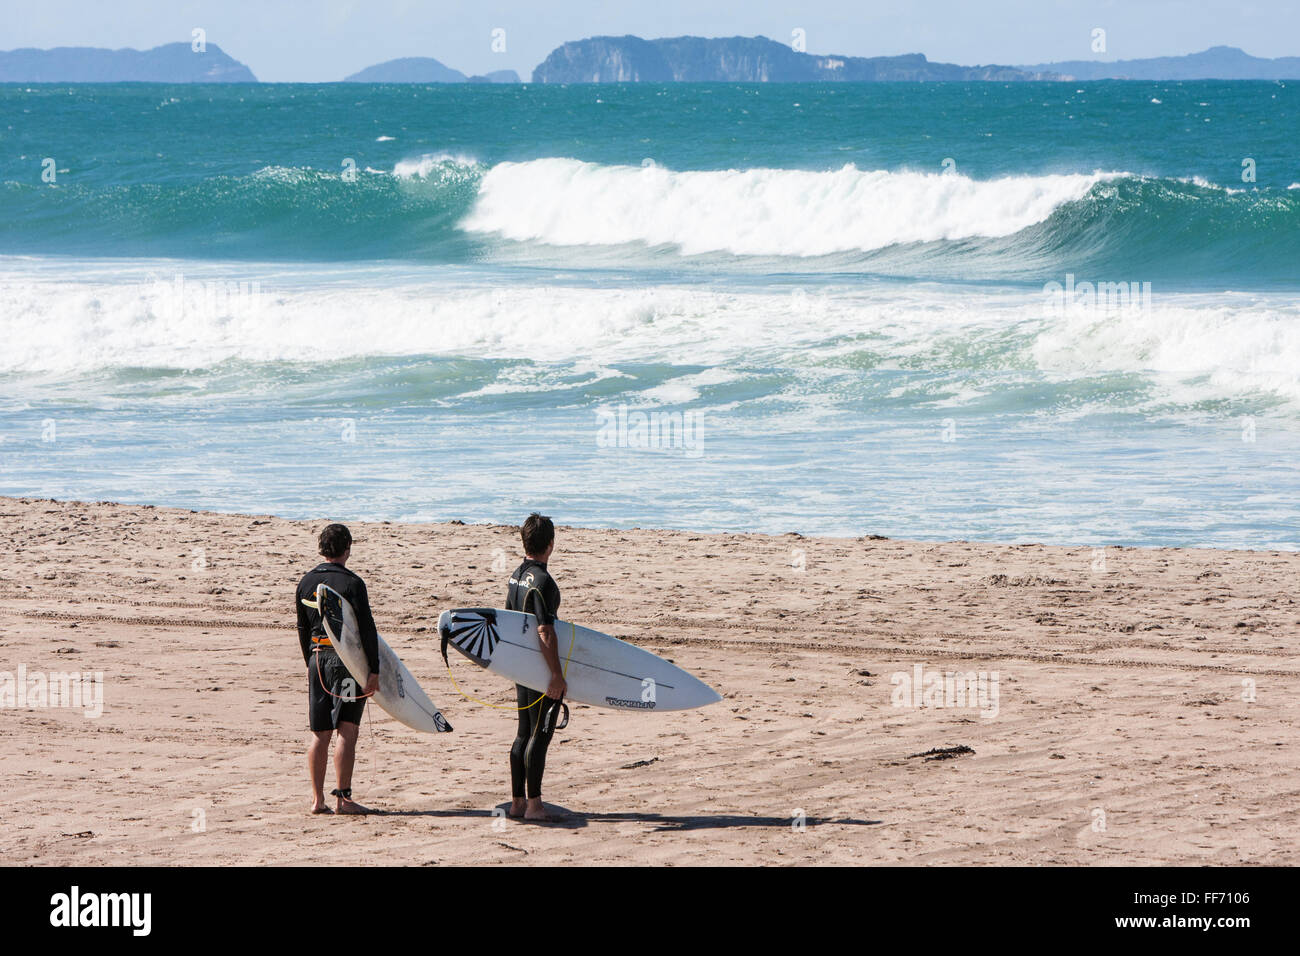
{"x": 1057, "y": 312}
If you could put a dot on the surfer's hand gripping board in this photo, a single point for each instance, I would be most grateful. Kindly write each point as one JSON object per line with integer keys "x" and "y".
{"x": 398, "y": 693}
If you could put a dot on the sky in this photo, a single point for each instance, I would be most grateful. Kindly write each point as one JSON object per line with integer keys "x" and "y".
{"x": 325, "y": 40}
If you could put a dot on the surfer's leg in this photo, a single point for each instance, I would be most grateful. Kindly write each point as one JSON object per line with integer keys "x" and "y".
{"x": 535, "y": 757}
{"x": 322, "y": 728}
{"x": 344, "y": 700}
{"x": 345, "y": 755}
{"x": 524, "y": 698}
{"x": 317, "y": 757}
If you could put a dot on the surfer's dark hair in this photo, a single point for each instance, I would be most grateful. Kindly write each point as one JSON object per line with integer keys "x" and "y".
{"x": 538, "y": 533}
{"x": 335, "y": 541}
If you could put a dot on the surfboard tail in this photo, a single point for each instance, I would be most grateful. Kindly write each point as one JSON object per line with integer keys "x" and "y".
{"x": 329, "y": 604}
{"x": 472, "y": 631}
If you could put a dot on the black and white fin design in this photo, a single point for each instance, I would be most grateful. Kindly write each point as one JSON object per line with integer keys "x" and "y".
{"x": 475, "y": 633}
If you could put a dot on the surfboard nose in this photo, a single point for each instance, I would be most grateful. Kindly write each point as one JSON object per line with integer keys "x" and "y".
{"x": 707, "y": 694}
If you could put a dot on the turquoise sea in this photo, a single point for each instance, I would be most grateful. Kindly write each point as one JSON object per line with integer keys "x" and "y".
{"x": 1056, "y": 312}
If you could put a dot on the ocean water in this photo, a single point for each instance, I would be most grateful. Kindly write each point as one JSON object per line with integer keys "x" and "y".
{"x": 1028, "y": 312}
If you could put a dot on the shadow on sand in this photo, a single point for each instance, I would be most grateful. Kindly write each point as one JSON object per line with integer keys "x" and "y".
{"x": 570, "y": 820}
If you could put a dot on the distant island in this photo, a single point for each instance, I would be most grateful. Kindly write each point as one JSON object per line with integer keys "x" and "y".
{"x": 424, "y": 69}
{"x": 630, "y": 59}
{"x": 496, "y": 76}
{"x": 1216, "y": 63}
{"x": 169, "y": 63}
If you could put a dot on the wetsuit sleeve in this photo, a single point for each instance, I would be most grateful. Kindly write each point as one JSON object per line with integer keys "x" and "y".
{"x": 304, "y": 626}
{"x": 553, "y": 597}
{"x": 537, "y": 607}
{"x": 543, "y": 601}
{"x": 366, "y": 625}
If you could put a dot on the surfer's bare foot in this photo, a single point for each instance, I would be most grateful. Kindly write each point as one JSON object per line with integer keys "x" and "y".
{"x": 318, "y": 806}
{"x": 349, "y": 806}
{"x": 536, "y": 813}
{"x": 517, "y": 807}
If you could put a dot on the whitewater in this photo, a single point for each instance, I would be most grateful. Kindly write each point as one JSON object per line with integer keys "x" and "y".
{"x": 850, "y": 289}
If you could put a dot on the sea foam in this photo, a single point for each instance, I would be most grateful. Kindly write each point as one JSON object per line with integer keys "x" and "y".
{"x": 1193, "y": 347}
{"x": 777, "y": 212}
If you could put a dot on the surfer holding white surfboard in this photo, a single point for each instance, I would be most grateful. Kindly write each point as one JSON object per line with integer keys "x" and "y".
{"x": 533, "y": 590}
{"x": 527, "y": 644}
{"x": 332, "y": 695}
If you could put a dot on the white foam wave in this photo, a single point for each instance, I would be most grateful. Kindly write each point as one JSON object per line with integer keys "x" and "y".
{"x": 1199, "y": 349}
{"x": 197, "y": 323}
{"x": 1194, "y": 348}
{"x": 1204, "y": 183}
{"x": 686, "y": 388}
{"x": 421, "y": 167}
{"x": 779, "y": 212}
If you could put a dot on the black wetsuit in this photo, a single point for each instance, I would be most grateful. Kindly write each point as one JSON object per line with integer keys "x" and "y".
{"x": 533, "y": 590}
{"x": 329, "y": 704}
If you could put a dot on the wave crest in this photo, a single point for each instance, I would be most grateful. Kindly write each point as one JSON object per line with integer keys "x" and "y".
{"x": 758, "y": 212}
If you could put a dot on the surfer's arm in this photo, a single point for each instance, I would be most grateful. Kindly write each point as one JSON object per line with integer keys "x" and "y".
{"x": 304, "y": 629}
{"x": 551, "y": 654}
{"x": 546, "y": 639}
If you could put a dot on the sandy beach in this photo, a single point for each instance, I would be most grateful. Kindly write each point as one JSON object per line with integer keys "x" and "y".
{"x": 1145, "y": 711}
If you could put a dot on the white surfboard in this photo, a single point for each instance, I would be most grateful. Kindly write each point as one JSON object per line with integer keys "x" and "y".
{"x": 599, "y": 669}
{"x": 399, "y": 693}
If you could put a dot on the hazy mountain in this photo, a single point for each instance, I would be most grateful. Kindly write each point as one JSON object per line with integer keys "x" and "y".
{"x": 497, "y": 76}
{"x": 631, "y": 59}
{"x": 169, "y": 63}
{"x": 424, "y": 69}
{"x": 408, "y": 69}
{"x": 1216, "y": 63}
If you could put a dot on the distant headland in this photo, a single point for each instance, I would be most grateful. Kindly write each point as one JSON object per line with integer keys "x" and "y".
{"x": 631, "y": 59}
{"x": 169, "y": 63}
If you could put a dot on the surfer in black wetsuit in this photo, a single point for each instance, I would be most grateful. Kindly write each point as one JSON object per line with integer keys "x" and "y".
{"x": 532, "y": 589}
{"x": 333, "y": 700}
